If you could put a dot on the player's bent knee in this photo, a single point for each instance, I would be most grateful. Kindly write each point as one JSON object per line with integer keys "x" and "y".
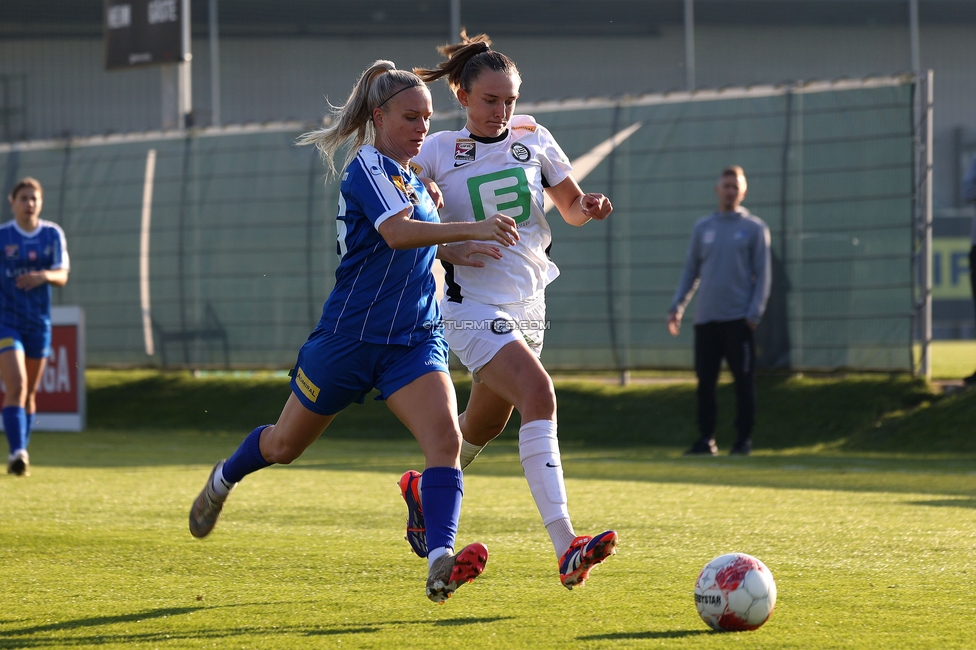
{"x": 540, "y": 402}
{"x": 444, "y": 446}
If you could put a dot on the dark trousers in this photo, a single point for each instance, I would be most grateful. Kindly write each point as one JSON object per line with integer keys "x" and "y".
{"x": 733, "y": 341}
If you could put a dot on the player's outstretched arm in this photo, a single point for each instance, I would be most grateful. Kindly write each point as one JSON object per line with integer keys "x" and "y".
{"x": 576, "y": 207}
{"x": 461, "y": 254}
{"x": 401, "y": 232}
{"x": 34, "y": 279}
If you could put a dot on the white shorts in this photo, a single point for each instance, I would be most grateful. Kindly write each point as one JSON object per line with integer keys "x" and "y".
{"x": 476, "y": 332}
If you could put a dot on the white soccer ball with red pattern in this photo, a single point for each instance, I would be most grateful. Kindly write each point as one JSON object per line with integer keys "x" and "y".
{"x": 735, "y": 592}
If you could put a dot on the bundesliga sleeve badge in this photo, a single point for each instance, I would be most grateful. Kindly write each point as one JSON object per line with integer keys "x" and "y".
{"x": 464, "y": 151}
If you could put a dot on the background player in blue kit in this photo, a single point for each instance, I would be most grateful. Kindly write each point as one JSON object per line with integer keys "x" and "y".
{"x": 35, "y": 256}
{"x": 380, "y": 325}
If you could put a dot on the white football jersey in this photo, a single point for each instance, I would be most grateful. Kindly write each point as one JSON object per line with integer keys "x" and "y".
{"x": 480, "y": 177}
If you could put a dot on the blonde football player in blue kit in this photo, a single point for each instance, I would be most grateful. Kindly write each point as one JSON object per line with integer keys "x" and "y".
{"x": 35, "y": 256}
{"x": 380, "y": 325}
{"x": 494, "y": 316}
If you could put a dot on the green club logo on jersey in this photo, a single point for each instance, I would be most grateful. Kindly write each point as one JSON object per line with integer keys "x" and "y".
{"x": 505, "y": 192}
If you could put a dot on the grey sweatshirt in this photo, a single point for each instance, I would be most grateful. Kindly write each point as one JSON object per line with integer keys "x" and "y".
{"x": 728, "y": 262}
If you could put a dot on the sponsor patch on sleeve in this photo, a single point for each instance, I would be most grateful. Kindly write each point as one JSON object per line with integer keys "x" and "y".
{"x": 464, "y": 150}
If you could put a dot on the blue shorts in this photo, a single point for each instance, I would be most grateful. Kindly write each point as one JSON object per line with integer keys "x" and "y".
{"x": 333, "y": 371}
{"x": 36, "y": 344}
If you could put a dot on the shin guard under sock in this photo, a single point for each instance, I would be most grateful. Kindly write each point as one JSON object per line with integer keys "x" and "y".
{"x": 247, "y": 458}
{"x": 539, "y": 453}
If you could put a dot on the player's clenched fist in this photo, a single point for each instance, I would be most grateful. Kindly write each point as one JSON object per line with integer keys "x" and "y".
{"x": 595, "y": 206}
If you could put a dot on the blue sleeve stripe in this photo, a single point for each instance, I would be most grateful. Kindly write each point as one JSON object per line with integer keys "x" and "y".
{"x": 61, "y": 260}
{"x": 386, "y": 191}
{"x": 372, "y": 181}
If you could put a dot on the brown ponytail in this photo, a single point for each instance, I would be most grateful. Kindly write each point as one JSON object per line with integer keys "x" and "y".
{"x": 466, "y": 61}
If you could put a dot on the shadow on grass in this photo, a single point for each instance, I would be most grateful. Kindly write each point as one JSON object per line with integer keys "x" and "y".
{"x": 347, "y": 630}
{"x": 31, "y": 637}
{"x": 103, "y": 620}
{"x": 472, "y": 620}
{"x": 946, "y": 503}
{"x": 619, "y": 636}
{"x": 122, "y": 639}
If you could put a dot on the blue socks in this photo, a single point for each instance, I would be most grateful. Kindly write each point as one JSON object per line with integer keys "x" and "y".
{"x": 31, "y": 421}
{"x": 246, "y": 459}
{"x": 440, "y": 492}
{"x": 15, "y": 425}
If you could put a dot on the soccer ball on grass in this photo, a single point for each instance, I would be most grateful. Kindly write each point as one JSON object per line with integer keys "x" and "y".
{"x": 735, "y": 592}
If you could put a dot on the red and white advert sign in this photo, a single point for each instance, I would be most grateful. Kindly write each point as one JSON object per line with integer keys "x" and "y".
{"x": 61, "y": 391}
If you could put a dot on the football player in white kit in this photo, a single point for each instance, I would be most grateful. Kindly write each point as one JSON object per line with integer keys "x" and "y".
{"x": 494, "y": 316}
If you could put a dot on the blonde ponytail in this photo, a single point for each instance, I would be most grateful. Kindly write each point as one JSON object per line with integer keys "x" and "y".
{"x": 354, "y": 119}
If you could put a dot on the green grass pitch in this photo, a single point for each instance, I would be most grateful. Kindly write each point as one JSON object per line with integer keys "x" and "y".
{"x": 868, "y": 550}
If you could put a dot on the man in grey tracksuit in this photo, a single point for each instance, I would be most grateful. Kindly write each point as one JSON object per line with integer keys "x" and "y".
{"x": 728, "y": 263}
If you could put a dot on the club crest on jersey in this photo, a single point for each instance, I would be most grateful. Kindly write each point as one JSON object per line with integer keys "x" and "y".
{"x": 708, "y": 237}
{"x": 520, "y": 152}
{"x": 502, "y": 326}
{"x": 11, "y": 250}
{"x": 406, "y": 188}
{"x": 464, "y": 151}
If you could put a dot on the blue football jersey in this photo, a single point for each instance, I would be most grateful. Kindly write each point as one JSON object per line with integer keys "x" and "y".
{"x": 381, "y": 295}
{"x": 23, "y": 252}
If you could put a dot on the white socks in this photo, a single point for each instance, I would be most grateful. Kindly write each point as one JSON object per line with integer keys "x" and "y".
{"x": 468, "y": 453}
{"x": 219, "y": 485}
{"x": 562, "y": 535}
{"x": 539, "y": 453}
{"x": 435, "y": 553}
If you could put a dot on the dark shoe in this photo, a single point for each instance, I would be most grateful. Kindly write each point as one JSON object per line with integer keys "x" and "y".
{"x": 703, "y": 447}
{"x": 207, "y": 506}
{"x": 19, "y": 463}
{"x": 416, "y": 531}
{"x": 741, "y": 447}
{"x": 970, "y": 380}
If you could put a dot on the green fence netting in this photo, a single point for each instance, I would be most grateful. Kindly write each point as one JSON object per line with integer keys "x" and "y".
{"x": 242, "y": 238}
